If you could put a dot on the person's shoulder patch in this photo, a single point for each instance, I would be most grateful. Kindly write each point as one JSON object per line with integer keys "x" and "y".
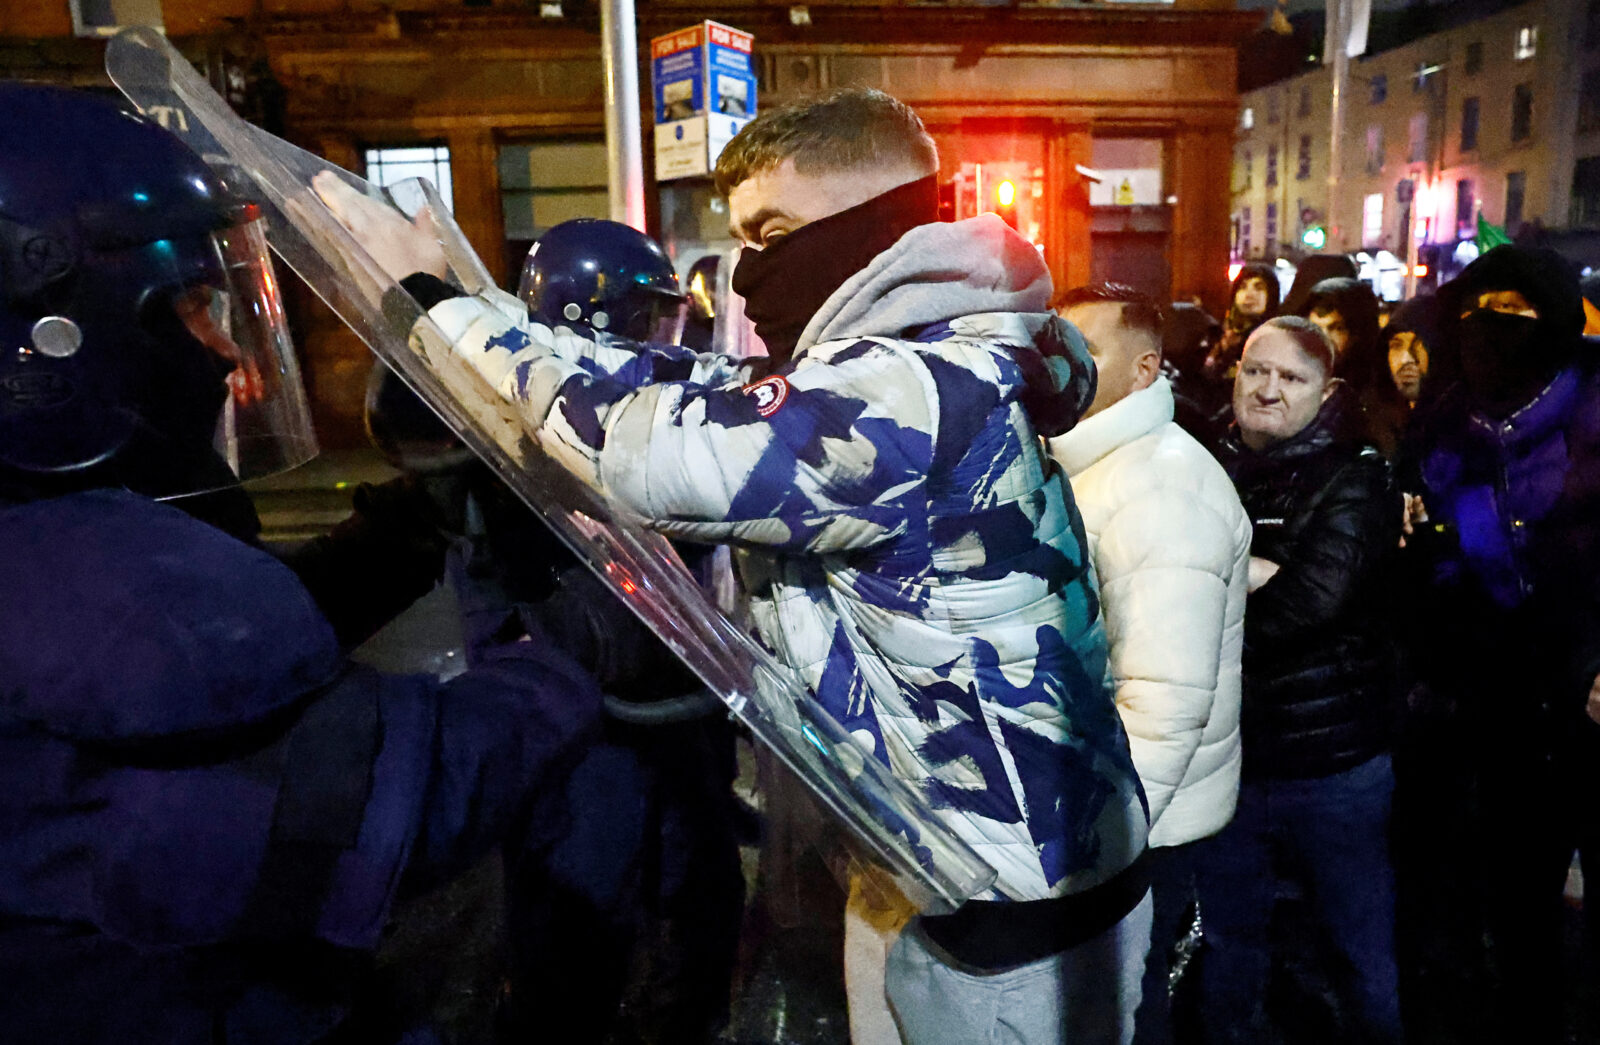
{"x": 769, "y": 394}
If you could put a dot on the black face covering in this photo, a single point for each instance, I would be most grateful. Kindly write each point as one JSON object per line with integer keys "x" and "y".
{"x": 1507, "y": 359}
{"x": 784, "y": 285}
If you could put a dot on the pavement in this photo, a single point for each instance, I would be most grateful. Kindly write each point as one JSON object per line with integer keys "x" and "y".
{"x": 310, "y": 500}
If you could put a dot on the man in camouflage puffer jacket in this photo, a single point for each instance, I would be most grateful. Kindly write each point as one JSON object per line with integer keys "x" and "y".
{"x": 909, "y": 549}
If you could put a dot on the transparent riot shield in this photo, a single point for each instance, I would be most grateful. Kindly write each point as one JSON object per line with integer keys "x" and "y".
{"x": 888, "y": 823}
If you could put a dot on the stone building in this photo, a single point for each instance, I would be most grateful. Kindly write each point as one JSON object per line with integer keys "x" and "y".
{"x": 1110, "y": 122}
{"x": 1498, "y": 117}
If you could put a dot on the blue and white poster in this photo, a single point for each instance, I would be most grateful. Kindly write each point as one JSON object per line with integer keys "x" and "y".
{"x": 704, "y": 84}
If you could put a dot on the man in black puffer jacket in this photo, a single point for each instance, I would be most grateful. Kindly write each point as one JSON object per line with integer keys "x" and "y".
{"x": 1318, "y": 684}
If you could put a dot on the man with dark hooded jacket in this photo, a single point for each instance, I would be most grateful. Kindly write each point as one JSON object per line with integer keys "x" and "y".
{"x": 909, "y": 550}
{"x": 1318, "y": 688}
{"x": 1510, "y": 465}
{"x": 1366, "y": 399}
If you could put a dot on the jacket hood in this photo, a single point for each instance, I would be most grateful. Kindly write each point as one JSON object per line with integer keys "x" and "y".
{"x": 1268, "y": 274}
{"x": 974, "y": 278}
{"x": 933, "y": 274}
{"x": 1264, "y": 272}
{"x": 1314, "y": 270}
{"x": 1419, "y": 316}
{"x": 1363, "y": 364}
{"x": 1543, "y": 276}
{"x": 1189, "y": 333}
{"x": 128, "y": 621}
{"x": 1590, "y": 286}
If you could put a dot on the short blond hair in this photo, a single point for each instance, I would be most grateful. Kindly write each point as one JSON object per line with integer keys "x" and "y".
{"x": 1311, "y": 339}
{"x": 843, "y": 130}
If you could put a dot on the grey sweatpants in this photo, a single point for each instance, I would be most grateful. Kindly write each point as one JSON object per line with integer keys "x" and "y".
{"x": 1083, "y": 996}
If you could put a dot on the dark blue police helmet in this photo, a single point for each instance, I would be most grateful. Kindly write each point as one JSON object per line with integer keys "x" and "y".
{"x": 140, "y": 324}
{"x": 605, "y": 276}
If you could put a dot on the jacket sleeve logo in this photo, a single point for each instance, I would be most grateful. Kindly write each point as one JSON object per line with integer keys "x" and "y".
{"x": 769, "y": 394}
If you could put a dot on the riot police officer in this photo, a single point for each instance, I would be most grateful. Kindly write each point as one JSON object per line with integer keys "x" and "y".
{"x": 206, "y": 812}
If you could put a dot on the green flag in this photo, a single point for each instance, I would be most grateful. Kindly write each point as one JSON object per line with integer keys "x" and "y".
{"x": 1490, "y": 236}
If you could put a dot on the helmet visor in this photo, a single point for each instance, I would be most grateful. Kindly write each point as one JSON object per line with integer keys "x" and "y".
{"x": 264, "y": 424}
{"x": 667, "y": 313}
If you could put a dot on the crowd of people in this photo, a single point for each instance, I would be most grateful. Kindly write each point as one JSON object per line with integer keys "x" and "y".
{"x": 1292, "y": 616}
{"x": 1420, "y": 665}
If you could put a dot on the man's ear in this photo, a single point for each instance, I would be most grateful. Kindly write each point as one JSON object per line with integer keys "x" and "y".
{"x": 1333, "y": 386}
{"x": 1146, "y": 369}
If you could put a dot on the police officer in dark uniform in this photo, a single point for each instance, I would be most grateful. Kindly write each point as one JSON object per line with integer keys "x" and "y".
{"x": 206, "y": 812}
{"x": 626, "y": 928}
{"x": 663, "y": 732}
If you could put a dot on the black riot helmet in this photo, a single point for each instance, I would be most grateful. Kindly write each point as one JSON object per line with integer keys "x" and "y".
{"x": 606, "y": 276}
{"x": 142, "y": 338}
{"x": 700, "y": 321}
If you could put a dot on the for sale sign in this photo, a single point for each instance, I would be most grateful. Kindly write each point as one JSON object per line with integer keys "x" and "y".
{"x": 704, "y": 83}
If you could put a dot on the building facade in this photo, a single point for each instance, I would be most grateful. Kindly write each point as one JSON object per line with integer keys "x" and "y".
{"x": 1499, "y": 117}
{"x": 1107, "y": 127}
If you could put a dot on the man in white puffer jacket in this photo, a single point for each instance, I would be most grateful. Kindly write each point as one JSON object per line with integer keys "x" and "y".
{"x": 1170, "y": 543}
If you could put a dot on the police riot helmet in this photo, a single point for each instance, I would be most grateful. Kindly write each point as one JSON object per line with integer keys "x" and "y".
{"x": 606, "y": 276}
{"x": 142, "y": 335}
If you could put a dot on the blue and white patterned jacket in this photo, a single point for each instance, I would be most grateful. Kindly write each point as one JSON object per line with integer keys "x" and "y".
{"x": 908, "y": 548}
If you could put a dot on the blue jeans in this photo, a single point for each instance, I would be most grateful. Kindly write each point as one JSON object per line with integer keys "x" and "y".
{"x": 1335, "y": 832}
{"x": 1172, "y": 890}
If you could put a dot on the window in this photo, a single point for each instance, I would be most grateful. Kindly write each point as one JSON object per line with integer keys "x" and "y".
{"x": 1272, "y": 227}
{"x": 1422, "y": 80}
{"x": 1466, "y": 209}
{"x": 1586, "y": 193}
{"x": 1469, "y": 124}
{"x": 1372, "y": 220}
{"x": 1417, "y": 138}
{"x": 1589, "y": 103}
{"x": 1249, "y": 168}
{"x": 1374, "y": 148}
{"x": 1303, "y": 165}
{"x": 1247, "y": 118}
{"x": 1379, "y": 88}
{"x": 386, "y": 166}
{"x": 544, "y": 183}
{"x": 90, "y": 18}
{"x": 1522, "y": 113}
{"x": 1244, "y": 231}
{"x": 1473, "y": 59}
{"x": 1527, "y": 43}
{"x": 1303, "y": 110}
{"x": 1274, "y": 107}
{"x": 1272, "y": 166}
{"x": 1516, "y": 189}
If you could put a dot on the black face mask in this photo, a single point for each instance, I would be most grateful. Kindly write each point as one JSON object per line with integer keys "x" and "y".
{"x": 784, "y": 285}
{"x": 1507, "y": 359}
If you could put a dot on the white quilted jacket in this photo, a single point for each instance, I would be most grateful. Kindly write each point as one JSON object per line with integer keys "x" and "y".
{"x": 1171, "y": 545}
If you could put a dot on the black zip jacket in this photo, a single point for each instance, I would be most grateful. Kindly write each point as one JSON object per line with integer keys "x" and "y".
{"x": 1319, "y": 669}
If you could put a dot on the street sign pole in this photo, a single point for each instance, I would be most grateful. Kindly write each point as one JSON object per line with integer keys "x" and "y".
{"x": 1334, "y": 50}
{"x": 624, "y": 149}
